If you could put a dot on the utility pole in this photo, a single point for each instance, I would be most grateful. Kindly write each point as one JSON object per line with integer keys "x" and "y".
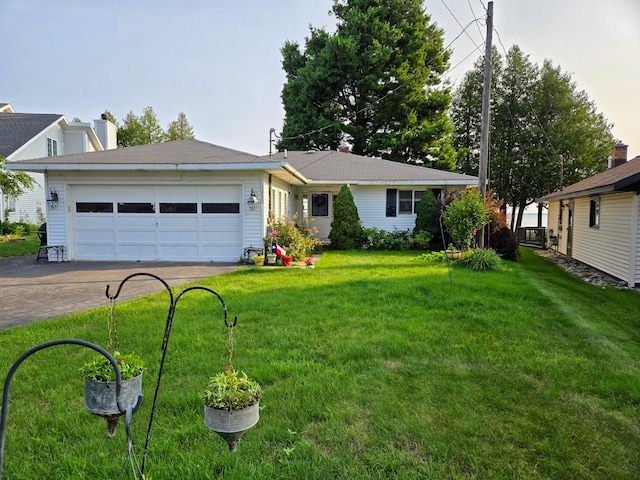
{"x": 486, "y": 100}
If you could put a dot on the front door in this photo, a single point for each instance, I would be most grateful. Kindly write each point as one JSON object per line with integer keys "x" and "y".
{"x": 570, "y": 228}
{"x": 321, "y": 213}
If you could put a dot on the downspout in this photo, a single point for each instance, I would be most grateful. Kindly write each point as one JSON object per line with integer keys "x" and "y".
{"x": 634, "y": 275}
{"x": 270, "y": 215}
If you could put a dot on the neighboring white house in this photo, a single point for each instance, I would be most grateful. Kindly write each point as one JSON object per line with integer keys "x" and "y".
{"x": 34, "y": 135}
{"x": 597, "y": 221}
{"x": 194, "y": 201}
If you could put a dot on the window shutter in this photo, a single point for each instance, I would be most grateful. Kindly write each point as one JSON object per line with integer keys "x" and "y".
{"x": 392, "y": 195}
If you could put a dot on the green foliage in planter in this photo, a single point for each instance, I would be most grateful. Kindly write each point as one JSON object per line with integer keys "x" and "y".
{"x": 481, "y": 259}
{"x": 231, "y": 390}
{"x": 465, "y": 215}
{"x": 100, "y": 369}
{"x": 346, "y": 230}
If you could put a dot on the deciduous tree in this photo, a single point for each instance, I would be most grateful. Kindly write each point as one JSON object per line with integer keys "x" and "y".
{"x": 544, "y": 132}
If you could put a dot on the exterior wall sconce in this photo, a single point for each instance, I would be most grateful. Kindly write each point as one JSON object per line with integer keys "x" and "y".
{"x": 53, "y": 199}
{"x": 253, "y": 200}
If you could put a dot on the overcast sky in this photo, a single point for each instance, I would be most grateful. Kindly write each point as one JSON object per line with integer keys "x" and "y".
{"x": 219, "y": 61}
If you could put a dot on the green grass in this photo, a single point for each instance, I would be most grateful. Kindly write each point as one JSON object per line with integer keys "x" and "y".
{"x": 373, "y": 366}
{"x": 29, "y": 246}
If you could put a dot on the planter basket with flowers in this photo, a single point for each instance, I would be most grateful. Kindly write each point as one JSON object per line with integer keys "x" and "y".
{"x": 231, "y": 401}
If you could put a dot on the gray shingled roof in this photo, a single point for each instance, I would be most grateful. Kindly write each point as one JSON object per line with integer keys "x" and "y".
{"x": 169, "y": 153}
{"x": 340, "y": 167}
{"x": 16, "y": 129}
{"x": 620, "y": 178}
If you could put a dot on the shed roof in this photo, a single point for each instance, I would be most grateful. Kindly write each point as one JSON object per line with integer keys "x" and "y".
{"x": 624, "y": 177}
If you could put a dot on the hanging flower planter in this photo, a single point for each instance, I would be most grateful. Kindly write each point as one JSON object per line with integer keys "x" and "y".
{"x": 100, "y": 399}
{"x": 231, "y": 424}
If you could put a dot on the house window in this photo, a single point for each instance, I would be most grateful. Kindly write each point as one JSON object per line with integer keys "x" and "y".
{"x": 52, "y": 147}
{"x": 319, "y": 204}
{"x": 178, "y": 208}
{"x": 124, "y": 207}
{"x": 11, "y": 203}
{"x": 406, "y": 201}
{"x": 94, "y": 207}
{"x": 220, "y": 208}
{"x": 594, "y": 212}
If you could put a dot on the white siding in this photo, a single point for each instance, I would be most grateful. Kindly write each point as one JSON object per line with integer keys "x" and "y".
{"x": 634, "y": 271}
{"x": 607, "y": 247}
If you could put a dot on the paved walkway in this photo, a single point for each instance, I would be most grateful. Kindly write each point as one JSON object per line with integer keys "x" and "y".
{"x": 36, "y": 291}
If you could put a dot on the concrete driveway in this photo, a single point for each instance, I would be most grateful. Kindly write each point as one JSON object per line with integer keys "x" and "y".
{"x": 36, "y": 291}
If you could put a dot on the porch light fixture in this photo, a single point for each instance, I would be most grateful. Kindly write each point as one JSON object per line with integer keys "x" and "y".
{"x": 53, "y": 199}
{"x": 253, "y": 200}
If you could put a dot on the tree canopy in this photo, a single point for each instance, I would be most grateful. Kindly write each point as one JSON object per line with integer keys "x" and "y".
{"x": 14, "y": 183}
{"x": 544, "y": 132}
{"x": 145, "y": 129}
{"x": 374, "y": 84}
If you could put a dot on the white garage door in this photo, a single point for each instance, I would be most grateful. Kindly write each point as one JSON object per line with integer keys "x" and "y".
{"x": 157, "y": 223}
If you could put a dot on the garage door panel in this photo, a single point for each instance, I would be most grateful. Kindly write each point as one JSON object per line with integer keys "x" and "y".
{"x": 96, "y": 251}
{"x": 179, "y": 252}
{"x": 132, "y": 222}
{"x": 167, "y": 237}
{"x": 178, "y": 222}
{"x": 137, "y": 237}
{"x": 137, "y": 252}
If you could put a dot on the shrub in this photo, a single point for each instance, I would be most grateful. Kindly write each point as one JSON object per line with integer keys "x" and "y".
{"x": 376, "y": 239}
{"x": 433, "y": 256}
{"x": 464, "y": 216}
{"x": 346, "y": 230}
{"x": 481, "y": 259}
{"x": 505, "y": 243}
{"x": 296, "y": 239}
{"x": 420, "y": 241}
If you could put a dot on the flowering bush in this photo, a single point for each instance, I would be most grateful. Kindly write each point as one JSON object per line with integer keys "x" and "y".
{"x": 296, "y": 238}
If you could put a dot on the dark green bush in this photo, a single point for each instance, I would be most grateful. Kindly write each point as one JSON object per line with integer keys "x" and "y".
{"x": 481, "y": 259}
{"x": 376, "y": 239}
{"x": 346, "y": 230}
{"x": 505, "y": 243}
{"x": 420, "y": 241}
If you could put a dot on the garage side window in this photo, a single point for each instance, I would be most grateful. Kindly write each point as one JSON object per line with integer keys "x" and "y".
{"x": 94, "y": 207}
{"x": 178, "y": 208}
{"x": 124, "y": 207}
{"x": 220, "y": 208}
{"x": 594, "y": 212}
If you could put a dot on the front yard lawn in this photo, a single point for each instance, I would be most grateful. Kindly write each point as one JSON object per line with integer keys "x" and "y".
{"x": 373, "y": 366}
{"x": 9, "y": 248}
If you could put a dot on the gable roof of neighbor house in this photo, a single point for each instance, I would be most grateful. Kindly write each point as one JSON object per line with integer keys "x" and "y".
{"x": 624, "y": 177}
{"x": 295, "y": 167}
{"x": 330, "y": 167}
{"x": 16, "y": 129}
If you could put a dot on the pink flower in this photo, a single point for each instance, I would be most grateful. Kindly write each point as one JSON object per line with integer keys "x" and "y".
{"x": 228, "y": 367}
{"x": 274, "y": 234}
{"x": 123, "y": 361}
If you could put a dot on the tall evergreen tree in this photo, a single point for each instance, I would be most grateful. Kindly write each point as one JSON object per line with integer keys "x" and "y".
{"x": 375, "y": 84}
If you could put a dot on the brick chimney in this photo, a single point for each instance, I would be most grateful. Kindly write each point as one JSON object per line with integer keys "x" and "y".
{"x": 344, "y": 148}
{"x": 619, "y": 154}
